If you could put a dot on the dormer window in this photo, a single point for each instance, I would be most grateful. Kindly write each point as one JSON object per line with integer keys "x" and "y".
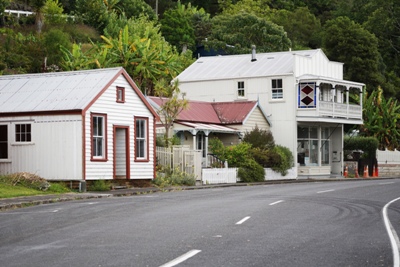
{"x": 240, "y": 89}
{"x": 120, "y": 94}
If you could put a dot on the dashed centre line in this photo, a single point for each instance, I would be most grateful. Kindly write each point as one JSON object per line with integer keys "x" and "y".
{"x": 243, "y": 220}
{"x": 182, "y": 258}
{"x": 276, "y": 202}
{"x": 325, "y": 191}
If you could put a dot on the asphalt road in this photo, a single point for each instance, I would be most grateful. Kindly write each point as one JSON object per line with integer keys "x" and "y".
{"x": 307, "y": 224}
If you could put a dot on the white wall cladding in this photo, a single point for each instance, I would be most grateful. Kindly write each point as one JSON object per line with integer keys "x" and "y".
{"x": 318, "y": 65}
{"x": 119, "y": 114}
{"x": 55, "y": 152}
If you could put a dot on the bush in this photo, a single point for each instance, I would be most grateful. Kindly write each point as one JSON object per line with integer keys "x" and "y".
{"x": 174, "y": 178}
{"x": 251, "y": 171}
{"x": 234, "y": 155}
{"x": 100, "y": 185}
{"x": 259, "y": 138}
{"x": 27, "y": 180}
{"x": 285, "y": 161}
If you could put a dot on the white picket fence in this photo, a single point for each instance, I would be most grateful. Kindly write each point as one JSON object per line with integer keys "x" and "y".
{"x": 181, "y": 157}
{"x": 219, "y": 176}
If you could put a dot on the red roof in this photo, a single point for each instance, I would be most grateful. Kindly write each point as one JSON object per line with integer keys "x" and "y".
{"x": 234, "y": 112}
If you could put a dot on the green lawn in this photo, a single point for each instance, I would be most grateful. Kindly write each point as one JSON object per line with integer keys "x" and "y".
{"x": 8, "y": 190}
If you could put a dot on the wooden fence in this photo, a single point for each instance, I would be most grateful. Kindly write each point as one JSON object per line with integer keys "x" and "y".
{"x": 181, "y": 157}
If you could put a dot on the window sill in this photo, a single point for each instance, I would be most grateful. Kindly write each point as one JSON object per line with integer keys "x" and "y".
{"x": 23, "y": 144}
{"x": 279, "y": 100}
{"x": 142, "y": 160}
{"x": 5, "y": 161}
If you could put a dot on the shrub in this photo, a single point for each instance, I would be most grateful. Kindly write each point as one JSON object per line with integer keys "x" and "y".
{"x": 251, "y": 171}
{"x": 261, "y": 156}
{"x": 174, "y": 178}
{"x": 286, "y": 159}
{"x": 234, "y": 155}
{"x": 27, "y": 180}
{"x": 100, "y": 185}
{"x": 260, "y": 138}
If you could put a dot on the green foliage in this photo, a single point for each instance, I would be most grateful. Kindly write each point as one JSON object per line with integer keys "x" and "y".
{"x": 173, "y": 177}
{"x": 177, "y": 28}
{"x": 381, "y": 119}
{"x": 237, "y": 33}
{"x": 250, "y": 171}
{"x": 260, "y": 138}
{"x": 100, "y": 185}
{"x": 234, "y": 155}
{"x": 25, "y": 179}
{"x": 301, "y": 26}
{"x": 348, "y": 42}
{"x": 285, "y": 159}
{"x": 58, "y": 188}
{"x": 368, "y": 145}
{"x": 54, "y": 12}
{"x": 52, "y": 41}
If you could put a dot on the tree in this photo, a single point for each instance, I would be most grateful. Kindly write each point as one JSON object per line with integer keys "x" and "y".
{"x": 171, "y": 106}
{"x": 177, "y": 28}
{"x": 54, "y": 12}
{"x": 381, "y": 119}
{"x": 237, "y": 33}
{"x": 38, "y": 6}
{"x": 301, "y": 26}
{"x": 140, "y": 49}
{"x": 258, "y": 8}
{"x": 348, "y": 42}
{"x": 384, "y": 23}
{"x": 3, "y": 5}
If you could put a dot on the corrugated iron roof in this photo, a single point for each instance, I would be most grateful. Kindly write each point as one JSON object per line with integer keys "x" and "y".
{"x": 56, "y": 91}
{"x": 205, "y": 127}
{"x": 234, "y": 112}
{"x": 240, "y": 66}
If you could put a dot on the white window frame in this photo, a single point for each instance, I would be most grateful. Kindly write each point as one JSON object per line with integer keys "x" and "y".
{"x": 241, "y": 91}
{"x": 98, "y": 137}
{"x": 23, "y": 133}
{"x": 276, "y": 90}
{"x": 141, "y": 139}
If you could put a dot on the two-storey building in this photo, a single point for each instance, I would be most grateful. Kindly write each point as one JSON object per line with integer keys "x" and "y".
{"x": 302, "y": 92}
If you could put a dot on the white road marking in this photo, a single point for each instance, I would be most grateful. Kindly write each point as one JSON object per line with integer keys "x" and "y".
{"x": 182, "y": 258}
{"x": 276, "y": 202}
{"x": 27, "y": 212}
{"x": 243, "y": 220}
{"x": 386, "y": 183}
{"x": 394, "y": 239}
{"x": 325, "y": 191}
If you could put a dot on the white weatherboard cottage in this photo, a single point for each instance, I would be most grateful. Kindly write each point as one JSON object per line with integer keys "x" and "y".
{"x": 77, "y": 125}
{"x": 303, "y": 93}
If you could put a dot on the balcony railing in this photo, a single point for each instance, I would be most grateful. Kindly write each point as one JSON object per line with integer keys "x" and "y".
{"x": 332, "y": 109}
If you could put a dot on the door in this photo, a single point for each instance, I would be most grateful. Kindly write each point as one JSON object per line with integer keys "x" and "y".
{"x": 121, "y": 152}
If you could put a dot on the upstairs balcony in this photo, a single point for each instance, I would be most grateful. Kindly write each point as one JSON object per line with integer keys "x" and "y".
{"x": 330, "y": 101}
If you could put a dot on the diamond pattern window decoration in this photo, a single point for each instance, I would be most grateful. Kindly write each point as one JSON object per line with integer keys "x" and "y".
{"x": 307, "y": 95}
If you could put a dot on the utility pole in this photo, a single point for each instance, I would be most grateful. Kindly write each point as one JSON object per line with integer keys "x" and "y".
{"x": 157, "y": 8}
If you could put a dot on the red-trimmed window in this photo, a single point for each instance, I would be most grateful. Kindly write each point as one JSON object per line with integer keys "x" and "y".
{"x": 141, "y": 139}
{"x": 120, "y": 94}
{"x": 99, "y": 136}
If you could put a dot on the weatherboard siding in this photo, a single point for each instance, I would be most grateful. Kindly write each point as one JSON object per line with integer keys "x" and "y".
{"x": 55, "y": 152}
{"x": 119, "y": 114}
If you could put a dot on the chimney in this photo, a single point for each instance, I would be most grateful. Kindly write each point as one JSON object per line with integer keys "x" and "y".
{"x": 253, "y": 53}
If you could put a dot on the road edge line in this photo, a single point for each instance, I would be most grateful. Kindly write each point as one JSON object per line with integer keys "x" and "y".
{"x": 394, "y": 239}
